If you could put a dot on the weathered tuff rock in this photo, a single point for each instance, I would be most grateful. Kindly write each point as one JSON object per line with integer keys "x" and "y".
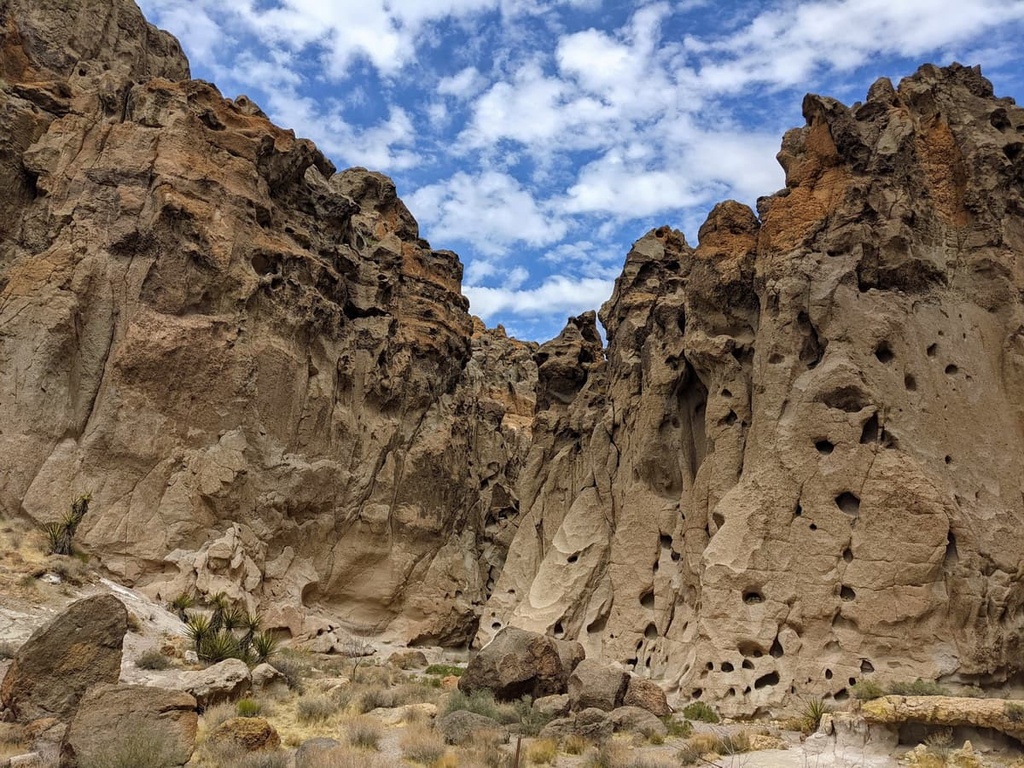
{"x": 801, "y": 461}
{"x": 808, "y": 419}
{"x": 80, "y": 648}
{"x": 518, "y": 663}
{"x": 948, "y": 712}
{"x": 250, "y": 734}
{"x": 123, "y": 720}
{"x": 267, "y": 380}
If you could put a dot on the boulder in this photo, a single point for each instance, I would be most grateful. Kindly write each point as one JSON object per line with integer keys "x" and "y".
{"x": 248, "y": 733}
{"x": 595, "y": 684}
{"x": 458, "y": 727}
{"x": 552, "y": 706}
{"x": 516, "y": 663}
{"x": 646, "y": 694}
{"x": 122, "y": 722}
{"x": 571, "y": 653}
{"x": 267, "y": 679}
{"x": 1005, "y": 716}
{"x": 408, "y": 659}
{"x": 637, "y": 720}
{"x": 62, "y": 659}
{"x": 592, "y": 724}
{"x": 224, "y": 681}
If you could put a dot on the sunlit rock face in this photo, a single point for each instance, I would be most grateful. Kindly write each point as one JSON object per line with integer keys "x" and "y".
{"x": 267, "y": 380}
{"x": 797, "y": 462}
{"x": 800, "y": 463}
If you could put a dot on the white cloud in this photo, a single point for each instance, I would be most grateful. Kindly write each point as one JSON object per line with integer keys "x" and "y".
{"x": 466, "y": 83}
{"x": 489, "y": 210}
{"x": 558, "y": 295}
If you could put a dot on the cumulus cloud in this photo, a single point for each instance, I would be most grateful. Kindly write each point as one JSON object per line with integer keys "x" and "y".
{"x": 558, "y": 296}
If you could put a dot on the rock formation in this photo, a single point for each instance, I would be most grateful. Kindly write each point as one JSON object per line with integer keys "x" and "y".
{"x": 797, "y": 463}
{"x": 268, "y": 382}
{"x": 801, "y": 462}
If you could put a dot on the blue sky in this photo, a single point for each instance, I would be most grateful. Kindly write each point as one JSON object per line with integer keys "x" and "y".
{"x": 539, "y": 138}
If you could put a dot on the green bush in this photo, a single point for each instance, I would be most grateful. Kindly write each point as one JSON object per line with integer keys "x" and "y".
{"x": 181, "y": 603}
{"x": 700, "y": 711}
{"x": 313, "y": 709}
{"x": 152, "y": 659}
{"x": 445, "y": 670}
{"x": 248, "y": 708}
{"x": 865, "y": 690}
{"x": 60, "y": 535}
{"x": 677, "y": 728}
{"x": 918, "y": 688}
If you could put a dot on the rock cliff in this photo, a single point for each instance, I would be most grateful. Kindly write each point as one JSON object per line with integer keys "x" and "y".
{"x": 267, "y": 380}
{"x": 797, "y": 463}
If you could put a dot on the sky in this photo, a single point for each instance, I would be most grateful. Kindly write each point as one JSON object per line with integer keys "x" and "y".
{"x": 538, "y": 139}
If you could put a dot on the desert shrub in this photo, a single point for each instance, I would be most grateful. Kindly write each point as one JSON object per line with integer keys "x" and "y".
{"x": 1014, "y": 712}
{"x": 227, "y": 754}
{"x": 248, "y": 708}
{"x": 939, "y": 744}
{"x": 294, "y": 668}
{"x": 445, "y": 670}
{"x": 217, "y": 714}
{"x": 865, "y": 690}
{"x": 481, "y": 702}
{"x": 542, "y": 752}
{"x": 365, "y": 733}
{"x": 152, "y": 659}
{"x": 137, "y": 749}
{"x": 312, "y": 709}
{"x": 485, "y": 750}
{"x": 422, "y": 745}
{"x": 813, "y": 711}
{"x": 701, "y": 711}
{"x": 677, "y": 728}
{"x": 60, "y": 535}
{"x": 181, "y": 603}
{"x": 918, "y": 688}
{"x": 722, "y": 744}
{"x": 376, "y": 697}
{"x": 344, "y": 756}
{"x": 574, "y": 744}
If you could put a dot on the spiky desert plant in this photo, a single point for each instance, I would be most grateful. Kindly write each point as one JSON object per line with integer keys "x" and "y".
{"x": 814, "y": 710}
{"x": 220, "y": 605}
{"x": 263, "y": 646}
{"x": 218, "y": 646}
{"x": 232, "y": 618}
{"x": 60, "y": 536}
{"x": 197, "y": 628}
{"x": 181, "y": 603}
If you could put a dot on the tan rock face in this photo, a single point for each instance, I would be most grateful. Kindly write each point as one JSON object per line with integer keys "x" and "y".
{"x": 801, "y": 462}
{"x": 267, "y": 380}
{"x": 797, "y": 463}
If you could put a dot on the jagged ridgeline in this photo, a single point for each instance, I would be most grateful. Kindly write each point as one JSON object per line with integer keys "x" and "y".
{"x": 797, "y": 463}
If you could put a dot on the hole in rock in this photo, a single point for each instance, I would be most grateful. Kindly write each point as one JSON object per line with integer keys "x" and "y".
{"x": 849, "y": 399}
{"x": 496, "y": 625}
{"x": 639, "y": 644}
{"x": 866, "y": 667}
{"x": 710, "y": 666}
{"x": 798, "y": 511}
{"x": 727, "y": 666}
{"x": 559, "y": 630}
{"x": 852, "y": 681}
{"x": 813, "y": 526}
{"x": 869, "y": 432}
{"x": 718, "y": 518}
{"x": 746, "y": 690}
{"x": 597, "y": 625}
{"x": 651, "y": 632}
{"x": 776, "y": 649}
{"x": 825, "y": 447}
{"x": 747, "y": 664}
{"x": 949, "y": 459}
{"x": 775, "y": 358}
{"x": 676, "y": 557}
{"x": 647, "y": 599}
{"x": 828, "y": 674}
{"x": 1012, "y": 151}
{"x": 572, "y": 558}
{"x": 846, "y": 593}
{"x": 632, "y": 662}
{"x": 952, "y": 556}
{"x": 752, "y": 597}
{"x": 932, "y": 350}
{"x": 726, "y": 393}
{"x": 731, "y": 692}
{"x": 952, "y": 370}
{"x": 654, "y": 568}
{"x": 910, "y": 383}
{"x": 884, "y": 353}
{"x": 772, "y": 678}
{"x": 999, "y": 119}
{"x": 848, "y": 555}
{"x": 848, "y": 503}
{"x": 841, "y": 695}
{"x": 749, "y": 648}
{"x": 665, "y": 540}
{"x": 730, "y": 419}
{"x": 696, "y": 693}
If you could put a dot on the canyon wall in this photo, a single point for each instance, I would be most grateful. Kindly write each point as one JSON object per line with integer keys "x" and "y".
{"x": 797, "y": 462}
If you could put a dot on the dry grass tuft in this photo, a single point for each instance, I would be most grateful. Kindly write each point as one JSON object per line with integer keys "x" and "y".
{"x": 422, "y": 745}
{"x": 365, "y": 733}
{"x": 542, "y": 752}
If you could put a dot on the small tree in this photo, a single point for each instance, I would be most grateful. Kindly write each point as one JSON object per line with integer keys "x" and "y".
{"x": 61, "y": 535}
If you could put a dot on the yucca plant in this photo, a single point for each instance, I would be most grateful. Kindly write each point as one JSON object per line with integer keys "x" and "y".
{"x": 181, "y": 603}
{"x": 219, "y": 646}
{"x": 814, "y": 710}
{"x": 60, "y": 536}
{"x": 232, "y": 618}
{"x": 220, "y": 604}
{"x": 263, "y": 646}
{"x": 198, "y": 628}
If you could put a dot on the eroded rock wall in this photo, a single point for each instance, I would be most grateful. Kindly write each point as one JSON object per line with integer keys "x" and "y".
{"x": 267, "y": 380}
{"x": 801, "y": 462}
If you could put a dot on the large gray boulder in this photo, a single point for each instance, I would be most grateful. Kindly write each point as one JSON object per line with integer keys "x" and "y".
{"x": 516, "y": 663}
{"x": 595, "y": 684}
{"x": 80, "y": 648}
{"x": 126, "y": 723}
